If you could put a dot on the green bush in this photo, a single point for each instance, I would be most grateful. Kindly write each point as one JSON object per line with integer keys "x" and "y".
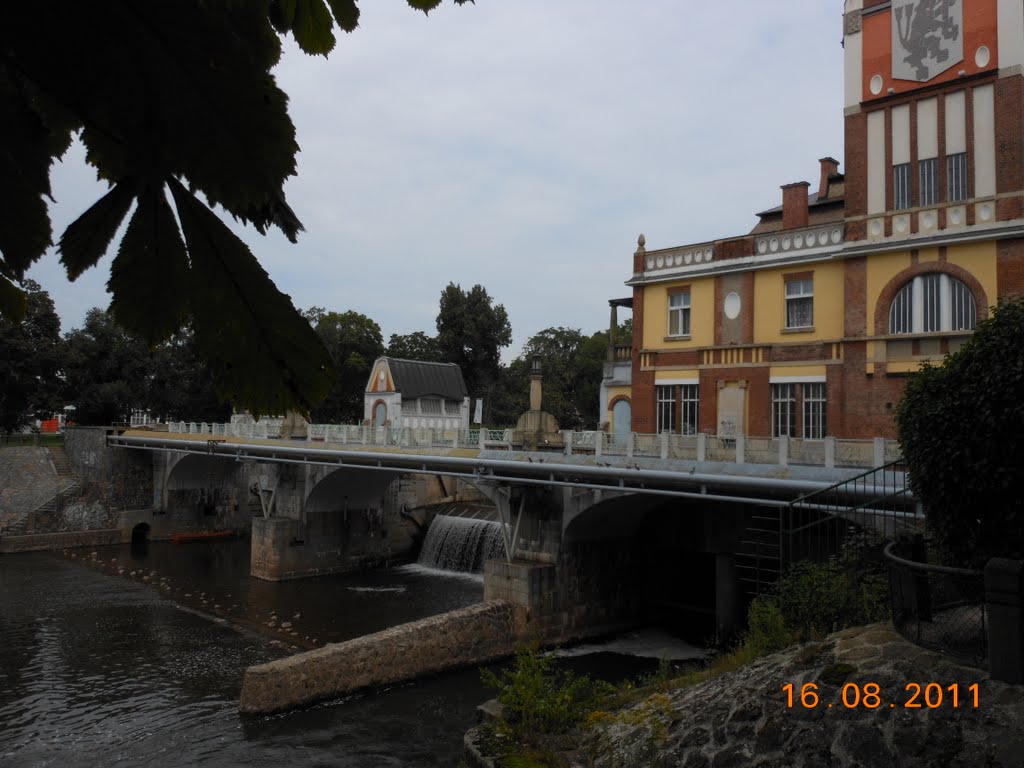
{"x": 813, "y": 599}
{"x": 767, "y": 631}
{"x": 539, "y": 698}
{"x": 960, "y": 427}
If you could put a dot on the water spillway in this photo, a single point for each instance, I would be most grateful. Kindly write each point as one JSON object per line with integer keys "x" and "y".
{"x": 461, "y": 544}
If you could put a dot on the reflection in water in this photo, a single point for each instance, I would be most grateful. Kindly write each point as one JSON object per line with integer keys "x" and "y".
{"x": 100, "y": 671}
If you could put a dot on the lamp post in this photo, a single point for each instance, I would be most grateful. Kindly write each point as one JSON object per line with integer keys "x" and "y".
{"x": 535, "y": 386}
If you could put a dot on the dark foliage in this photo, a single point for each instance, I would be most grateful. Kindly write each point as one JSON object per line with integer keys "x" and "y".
{"x": 960, "y": 426}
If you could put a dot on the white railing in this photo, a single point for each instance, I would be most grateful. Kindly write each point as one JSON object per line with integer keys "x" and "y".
{"x": 744, "y": 449}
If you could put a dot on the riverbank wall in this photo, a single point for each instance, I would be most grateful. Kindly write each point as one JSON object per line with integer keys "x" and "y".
{"x": 38, "y": 542}
{"x": 474, "y": 635}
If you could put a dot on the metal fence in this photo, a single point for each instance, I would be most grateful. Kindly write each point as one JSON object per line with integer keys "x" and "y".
{"x": 938, "y": 607}
{"x": 868, "y": 509}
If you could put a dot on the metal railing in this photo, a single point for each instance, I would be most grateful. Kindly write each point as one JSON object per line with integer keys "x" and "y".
{"x": 877, "y": 504}
{"x": 939, "y": 607}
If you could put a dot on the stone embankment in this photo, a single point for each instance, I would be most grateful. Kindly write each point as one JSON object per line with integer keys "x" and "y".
{"x": 746, "y": 718}
{"x": 466, "y": 637}
{"x": 55, "y": 541}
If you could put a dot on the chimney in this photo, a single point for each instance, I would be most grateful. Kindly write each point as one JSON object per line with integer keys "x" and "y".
{"x": 794, "y": 205}
{"x": 829, "y": 167}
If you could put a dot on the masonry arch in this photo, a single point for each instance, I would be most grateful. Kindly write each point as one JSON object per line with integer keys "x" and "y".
{"x": 140, "y": 539}
{"x": 888, "y": 294}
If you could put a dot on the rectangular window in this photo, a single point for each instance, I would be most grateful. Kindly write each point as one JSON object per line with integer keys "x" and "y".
{"x": 901, "y": 186}
{"x": 814, "y": 410}
{"x": 679, "y": 313}
{"x": 452, "y": 407}
{"x": 666, "y": 402}
{"x": 690, "y": 409}
{"x": 956, "y": 177}
{"x": 928, "y": 171}
{"x": 800, "y": 303}
{"x": 430, "y": 405}
{"x": 783, "y": 410}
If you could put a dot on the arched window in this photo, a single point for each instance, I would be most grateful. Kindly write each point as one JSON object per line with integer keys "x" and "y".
{"x": 932, "y": 302}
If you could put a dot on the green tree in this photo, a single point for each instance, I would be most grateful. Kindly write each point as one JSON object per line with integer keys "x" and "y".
{"x": 354, "y": 342}
{"x": 106, "y": 370}
{"x": 415, "y": 346}
{"x": 165, "y": 97}
{"x": 471, "y": 332}
{"x": 572, "y": 366}
{"x": 960, "y": 427}
{"x": 180, "y": 385}
{"x": 30, "y": 362}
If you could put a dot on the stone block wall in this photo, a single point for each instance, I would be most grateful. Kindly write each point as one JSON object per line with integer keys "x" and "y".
{"x": 591, "y": 591}
{"x": 469, "y": 636}
{"x": 66, "y": 540}
{"x": 27, "y": 479}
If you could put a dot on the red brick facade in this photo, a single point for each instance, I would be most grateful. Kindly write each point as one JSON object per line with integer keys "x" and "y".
{"x": 976, "y": 241}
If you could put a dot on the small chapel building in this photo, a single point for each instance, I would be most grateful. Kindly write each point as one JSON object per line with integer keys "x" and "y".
{"x": 413, "y": 393}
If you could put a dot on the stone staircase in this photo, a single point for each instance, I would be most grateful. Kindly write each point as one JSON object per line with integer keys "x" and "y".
{"x": 59, "y": 459}
{"x": 64, "y": 487}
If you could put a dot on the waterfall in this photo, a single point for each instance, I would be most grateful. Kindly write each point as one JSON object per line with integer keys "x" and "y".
{"x": 461, "y": 544}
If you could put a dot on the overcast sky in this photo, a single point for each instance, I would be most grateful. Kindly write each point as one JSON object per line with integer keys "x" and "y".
{"x": 523, "y": 145}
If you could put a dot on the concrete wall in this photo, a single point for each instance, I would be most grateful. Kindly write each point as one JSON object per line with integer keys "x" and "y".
{"x": 469, "y": 636}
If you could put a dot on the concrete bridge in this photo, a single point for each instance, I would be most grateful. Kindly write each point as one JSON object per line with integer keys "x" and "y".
{"x": 598, "y": 534}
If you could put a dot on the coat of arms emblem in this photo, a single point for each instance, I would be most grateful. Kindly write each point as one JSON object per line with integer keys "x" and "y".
{"x": 927, "y": 38}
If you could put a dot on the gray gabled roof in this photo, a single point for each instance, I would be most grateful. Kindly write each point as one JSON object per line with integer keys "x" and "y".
{"x": 415, "y": 378}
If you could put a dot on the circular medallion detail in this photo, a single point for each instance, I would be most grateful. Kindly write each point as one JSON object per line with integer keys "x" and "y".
{"x": 876, "y": 85}
{"x": 982, "y": 56}
{"x": 732, "y": 305}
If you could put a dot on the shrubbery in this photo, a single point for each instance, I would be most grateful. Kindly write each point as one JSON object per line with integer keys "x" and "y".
{"x": 539, "y": 698}
{"x": 960, "y": 428}
{"x": 813, "y": 599}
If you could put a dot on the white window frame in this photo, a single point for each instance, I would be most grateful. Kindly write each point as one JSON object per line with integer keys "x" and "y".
{"x": 956, "y": 177}
{"x": 679, "y": 314}
{"x": 901, "y": 186}
{"x": 665, "y": 404}
{"x": 933, "y": 303}
{"x": 928, "y": 175}
{"x": 783, "y": 410}
{"x": 690, "y": 409}
{"x": 799, "y": 294}
{"x": 815, "y": 408}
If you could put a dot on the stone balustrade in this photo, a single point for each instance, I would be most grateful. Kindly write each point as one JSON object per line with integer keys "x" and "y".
{"x": 741, "y": 449}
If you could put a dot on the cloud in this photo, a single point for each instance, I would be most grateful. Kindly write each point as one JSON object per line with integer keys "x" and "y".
{"x": 525, "y": 145}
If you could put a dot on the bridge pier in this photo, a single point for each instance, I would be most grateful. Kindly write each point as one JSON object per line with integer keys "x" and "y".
{"x": 590, "y": 562}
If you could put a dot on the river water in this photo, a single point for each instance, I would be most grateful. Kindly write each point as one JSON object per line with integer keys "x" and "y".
{"x": 138, "y": 661}
{"x": 101, "y": 670}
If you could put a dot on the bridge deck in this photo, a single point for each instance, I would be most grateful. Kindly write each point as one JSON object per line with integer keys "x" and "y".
{"x": 630, "y": 474}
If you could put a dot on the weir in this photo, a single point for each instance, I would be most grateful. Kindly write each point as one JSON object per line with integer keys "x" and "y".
{"x": 461, "y": 544}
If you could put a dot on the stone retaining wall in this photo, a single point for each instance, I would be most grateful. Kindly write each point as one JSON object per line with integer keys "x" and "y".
{"x": 468, "y": 636}
{"x": 41, "y": 541}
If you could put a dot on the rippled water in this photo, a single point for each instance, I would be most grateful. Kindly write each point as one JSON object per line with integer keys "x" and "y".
{"x": 98, "y": 670}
